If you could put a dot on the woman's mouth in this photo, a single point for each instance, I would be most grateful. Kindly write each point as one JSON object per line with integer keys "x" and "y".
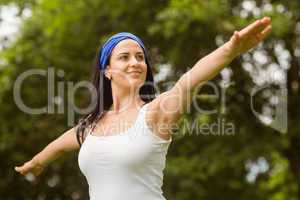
{"x": 135, "y": 73}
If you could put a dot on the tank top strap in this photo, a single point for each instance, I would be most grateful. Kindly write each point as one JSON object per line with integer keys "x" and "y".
{"x": 91, "y": 128}
{"x": 141, "y": 122}
{"x": 142, "y": 112}
{"x": 143, "y": 108}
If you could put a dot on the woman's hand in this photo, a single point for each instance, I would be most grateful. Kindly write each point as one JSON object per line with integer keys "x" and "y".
{"x": 249, "y": 37}
{"x": 30, "y": 167}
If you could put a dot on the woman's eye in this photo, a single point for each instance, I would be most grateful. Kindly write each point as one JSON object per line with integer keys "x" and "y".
{"x": 140, "y": 57}
{"x": 123, "y": 57}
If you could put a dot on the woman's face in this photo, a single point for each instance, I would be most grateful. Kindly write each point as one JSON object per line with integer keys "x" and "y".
{"x": 127, "y": 66}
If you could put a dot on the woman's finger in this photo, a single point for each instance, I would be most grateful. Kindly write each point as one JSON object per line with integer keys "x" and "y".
{"x": 23, "y": 169}
{"x": 256, "y": 26}
{"x": 265, "y": 32}
{"x": 18, "y": 169}
{"x": 248, "y": 29}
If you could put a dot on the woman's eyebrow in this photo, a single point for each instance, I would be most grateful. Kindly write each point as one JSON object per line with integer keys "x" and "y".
{"x": 140, "y": 52}
{"x": 123, "y": 53}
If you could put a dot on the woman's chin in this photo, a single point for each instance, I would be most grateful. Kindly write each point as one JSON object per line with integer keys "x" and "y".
{"x": 136, "y": 81}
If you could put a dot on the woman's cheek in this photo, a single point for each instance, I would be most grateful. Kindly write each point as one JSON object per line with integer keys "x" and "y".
{"x": 123, "y": 78}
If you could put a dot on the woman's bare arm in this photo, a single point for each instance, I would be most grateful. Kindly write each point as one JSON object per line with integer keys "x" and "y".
{"x": 66, "y": 142}
{"x": 169, "y": 106}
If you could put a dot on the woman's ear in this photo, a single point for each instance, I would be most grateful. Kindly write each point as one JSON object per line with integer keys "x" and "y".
{"x": 107, "y": 72}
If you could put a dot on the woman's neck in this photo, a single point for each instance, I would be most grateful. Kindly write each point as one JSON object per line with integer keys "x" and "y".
{"x": 125, "y": 99}
{"x": 123, "y": 104}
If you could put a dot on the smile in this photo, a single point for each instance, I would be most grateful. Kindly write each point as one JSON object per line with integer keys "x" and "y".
{"x": 135, "y": 73}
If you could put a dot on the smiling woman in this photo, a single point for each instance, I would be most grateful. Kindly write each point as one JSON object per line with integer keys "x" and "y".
{"x": 127, "y": 163}
{"x": 127, "y": 58}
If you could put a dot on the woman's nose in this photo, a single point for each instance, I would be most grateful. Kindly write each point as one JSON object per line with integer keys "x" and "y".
{"x": 133, "y": 61}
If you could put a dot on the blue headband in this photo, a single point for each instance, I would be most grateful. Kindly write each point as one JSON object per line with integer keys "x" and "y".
{"x": 110, "y": 44}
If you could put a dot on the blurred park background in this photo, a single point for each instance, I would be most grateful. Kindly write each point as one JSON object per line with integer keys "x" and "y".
{"x": 257, "y": 160}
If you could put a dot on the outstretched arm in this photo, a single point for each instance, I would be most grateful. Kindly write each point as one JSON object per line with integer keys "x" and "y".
{"x": 66, "y": 142}
{"x": 241, "y": 41}
{"x": 168, "y": 107}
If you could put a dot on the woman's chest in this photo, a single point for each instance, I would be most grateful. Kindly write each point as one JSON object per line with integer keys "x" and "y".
{"x": 122, "y": 151}
{"x": 114, "y": 125}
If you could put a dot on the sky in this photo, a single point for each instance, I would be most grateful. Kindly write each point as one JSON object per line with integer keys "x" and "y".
{"x": 10, "y": 23}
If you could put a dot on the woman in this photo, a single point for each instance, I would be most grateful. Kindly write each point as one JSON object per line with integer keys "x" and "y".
{"x": 124, "y": 141}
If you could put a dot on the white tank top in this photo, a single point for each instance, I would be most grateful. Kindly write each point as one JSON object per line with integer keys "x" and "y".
{"x": 127, "y": 166}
